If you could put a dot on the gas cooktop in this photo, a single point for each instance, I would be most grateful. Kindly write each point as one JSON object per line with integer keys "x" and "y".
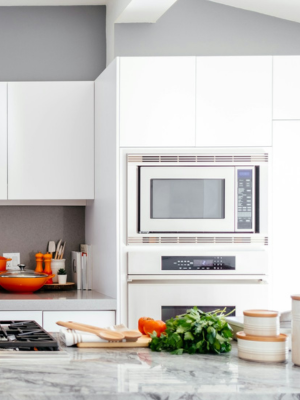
{"x": 26, "y": 336}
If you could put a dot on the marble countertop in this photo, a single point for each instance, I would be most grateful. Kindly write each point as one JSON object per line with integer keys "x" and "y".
{"x": 70, "y": 300}
{"x": 139, "y": 374}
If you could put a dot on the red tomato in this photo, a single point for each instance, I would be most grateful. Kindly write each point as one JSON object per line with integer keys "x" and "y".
{"x": 158, "y": 326}
{"x": 142, "y": 323}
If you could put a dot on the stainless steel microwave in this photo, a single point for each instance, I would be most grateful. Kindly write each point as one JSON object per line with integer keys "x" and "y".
{"x": 196, "y": 193}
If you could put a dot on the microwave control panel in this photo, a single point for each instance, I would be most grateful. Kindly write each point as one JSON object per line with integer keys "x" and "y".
{"x": 213, "y": 263}
{"x": 245, "y": 199}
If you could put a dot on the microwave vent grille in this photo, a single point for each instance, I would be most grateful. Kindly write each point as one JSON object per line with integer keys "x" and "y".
{"x": 203, "y": 158}
{"x": 198, "y": 240}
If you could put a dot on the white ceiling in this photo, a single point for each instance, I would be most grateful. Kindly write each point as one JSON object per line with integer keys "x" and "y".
{"x": 285, "y": 9}
{"x": 144, "y": 11}
{"x": 53, "y": 2}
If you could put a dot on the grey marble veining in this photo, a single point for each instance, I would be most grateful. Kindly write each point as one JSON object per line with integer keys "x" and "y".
{"x": 71, "y": 300}
{"x": 136, "y": 374}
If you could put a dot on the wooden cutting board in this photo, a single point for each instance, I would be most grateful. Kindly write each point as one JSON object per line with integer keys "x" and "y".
{"x": 143, "y": 341}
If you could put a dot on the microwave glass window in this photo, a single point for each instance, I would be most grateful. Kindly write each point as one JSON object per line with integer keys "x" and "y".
{"x": 187, "y": 199}
{"x": 168, "y": 312}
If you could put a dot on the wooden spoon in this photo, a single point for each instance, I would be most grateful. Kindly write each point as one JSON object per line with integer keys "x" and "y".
{"x": 105, "y": 334}
{"x": 130, "y": 336}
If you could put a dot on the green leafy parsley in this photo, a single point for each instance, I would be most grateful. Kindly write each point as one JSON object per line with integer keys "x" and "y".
{"x": 195, "y": 332}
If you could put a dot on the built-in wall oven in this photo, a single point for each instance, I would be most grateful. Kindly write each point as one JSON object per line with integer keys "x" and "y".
{"x": 195, "y": 195}
{"x": 164, "y": 283}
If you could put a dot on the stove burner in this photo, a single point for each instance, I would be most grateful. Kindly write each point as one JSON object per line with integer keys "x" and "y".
{"x": 26, "y": 336}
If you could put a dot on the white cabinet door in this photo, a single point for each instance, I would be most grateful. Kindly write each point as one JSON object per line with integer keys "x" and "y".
{"x": 286, "y": 218}
{"x": 286, "y": 87}
{"x": 234, "y": 101}
{"x": 36, "y": 316}
{"x": 50, "y": 140}
{"x": 157, "y": 101}
{"x": 97, "y": 318}
{"x": 3, "y": 141}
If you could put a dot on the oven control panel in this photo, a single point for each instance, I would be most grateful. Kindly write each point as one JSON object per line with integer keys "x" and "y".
{"x": 245, "y": 199}
{"x": 182, "y": 263}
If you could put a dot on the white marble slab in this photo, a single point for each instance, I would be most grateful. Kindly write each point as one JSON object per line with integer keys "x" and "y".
{"x": 134, "y": 374}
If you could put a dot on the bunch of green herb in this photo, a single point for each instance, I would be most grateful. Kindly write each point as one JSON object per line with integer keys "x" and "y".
{"x": 195, "y": 332}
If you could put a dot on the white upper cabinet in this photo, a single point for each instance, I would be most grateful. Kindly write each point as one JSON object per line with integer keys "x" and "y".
{"x": 3, "y": 141}
{"x": 234, "y": 101}
{"x": 157, "y": 101}
{"x": 286, "y": 93}
{"x": 50, "y": 140}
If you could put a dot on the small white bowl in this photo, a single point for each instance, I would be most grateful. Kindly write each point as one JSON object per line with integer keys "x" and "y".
{"x": 261, "y": 323}
{"x": 262, "y": 349}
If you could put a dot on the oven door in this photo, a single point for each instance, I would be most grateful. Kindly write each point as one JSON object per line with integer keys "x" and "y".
{"x": 165, "y": 299}
{"x": 187, "y": 199}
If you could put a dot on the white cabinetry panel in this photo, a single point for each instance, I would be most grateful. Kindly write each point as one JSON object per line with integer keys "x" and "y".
{"x": 157, "y": 101}
{"x": 3, "y": 141}
{"x": 234, "y": 101}
{"x": 286, "y": 81}
{"x": 286, "y": 218}
{"x": 36, "y": 316}
{"x": 50, "y": 140}
{"x": 102, "y": 319}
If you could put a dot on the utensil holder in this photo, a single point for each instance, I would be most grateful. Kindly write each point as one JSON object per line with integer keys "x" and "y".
{"x": 55, "y": 266}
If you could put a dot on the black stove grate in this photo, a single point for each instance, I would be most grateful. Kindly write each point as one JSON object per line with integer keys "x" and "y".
{"x": 26, "y": 336}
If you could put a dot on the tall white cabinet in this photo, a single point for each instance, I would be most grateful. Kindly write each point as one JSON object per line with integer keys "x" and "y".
{"x": 234, "y": 101}
{"x": 157, "y": 101}
{"x": 50, "y": 140}
{"x": 3, "y": 141}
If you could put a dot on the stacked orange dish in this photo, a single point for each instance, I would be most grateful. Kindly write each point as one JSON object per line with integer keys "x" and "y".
{"x": 260, "y": 340}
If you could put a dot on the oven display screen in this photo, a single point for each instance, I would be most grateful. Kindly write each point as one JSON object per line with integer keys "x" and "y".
{"x": 203, "y": 263}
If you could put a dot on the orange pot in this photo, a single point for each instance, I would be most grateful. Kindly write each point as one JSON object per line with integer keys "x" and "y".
{"x": 3, "y": 261}
{"x": 23, "y": 281}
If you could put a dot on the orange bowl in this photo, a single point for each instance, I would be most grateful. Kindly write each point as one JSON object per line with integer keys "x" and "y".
{"x": 23, "y": 284}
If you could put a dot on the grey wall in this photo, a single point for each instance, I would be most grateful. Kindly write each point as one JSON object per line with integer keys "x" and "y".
{"x": 199, "y": 27}
{"x": 52, "y": 43}
{"x": 27, "y": 230}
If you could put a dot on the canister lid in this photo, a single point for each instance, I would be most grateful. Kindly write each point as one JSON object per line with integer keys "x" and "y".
{"x": 296, "y": 297}
{"x": 280, "y": 338}
{"x": 261, "y": 313}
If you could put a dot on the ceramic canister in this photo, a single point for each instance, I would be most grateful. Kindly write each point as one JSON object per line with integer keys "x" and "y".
{"x": 261, "y": 323}
{"x": 296, "y": 329}
{"x": 261, "y": 348}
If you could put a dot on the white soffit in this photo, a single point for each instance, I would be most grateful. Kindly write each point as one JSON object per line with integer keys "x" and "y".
{"x": 144, "y": 11}
{"x": 285, "y": 9}
{"x": 20, "y": 3}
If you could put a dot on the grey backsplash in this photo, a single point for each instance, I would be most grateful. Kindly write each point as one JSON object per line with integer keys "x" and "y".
{"x": 27, "y": 230}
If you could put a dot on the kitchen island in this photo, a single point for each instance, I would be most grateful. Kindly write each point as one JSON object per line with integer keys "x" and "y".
{"x": 134, "y": 374}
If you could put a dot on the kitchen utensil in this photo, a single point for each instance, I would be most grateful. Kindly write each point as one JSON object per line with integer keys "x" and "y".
{"x": 296, "y": 329}
{"x": 57, "y": 249}
{"x": 262, "y": 348}
{"x": 23, "y": 281}
{"x": 143, "y": 341}
{"x": 261, "y": 323}
{"x": 55, "y": 266}
{"x": 51, "y": 247}
{"x": 62, "y": 250}
{"x": 129, "y": 335}
{"x": 3, "y": 262}
{"x": 102, "y": 333}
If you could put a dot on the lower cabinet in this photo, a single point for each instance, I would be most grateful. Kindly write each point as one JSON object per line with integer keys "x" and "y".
{"x": 48, "y": 319}
{"x": 96, "y": 318}
{"x": 22, "y": 315}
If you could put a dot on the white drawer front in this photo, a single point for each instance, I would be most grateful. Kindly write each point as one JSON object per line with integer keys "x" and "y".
{"x": 36, "y": 316}
{"x": 96, "y": 318}
{"x": 147, "y": 299}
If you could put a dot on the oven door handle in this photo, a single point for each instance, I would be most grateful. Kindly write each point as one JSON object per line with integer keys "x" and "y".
{"x": 200, "y": 278}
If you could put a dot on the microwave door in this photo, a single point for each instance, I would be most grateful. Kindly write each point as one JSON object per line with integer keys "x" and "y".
{"x": 187, "y": 199}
